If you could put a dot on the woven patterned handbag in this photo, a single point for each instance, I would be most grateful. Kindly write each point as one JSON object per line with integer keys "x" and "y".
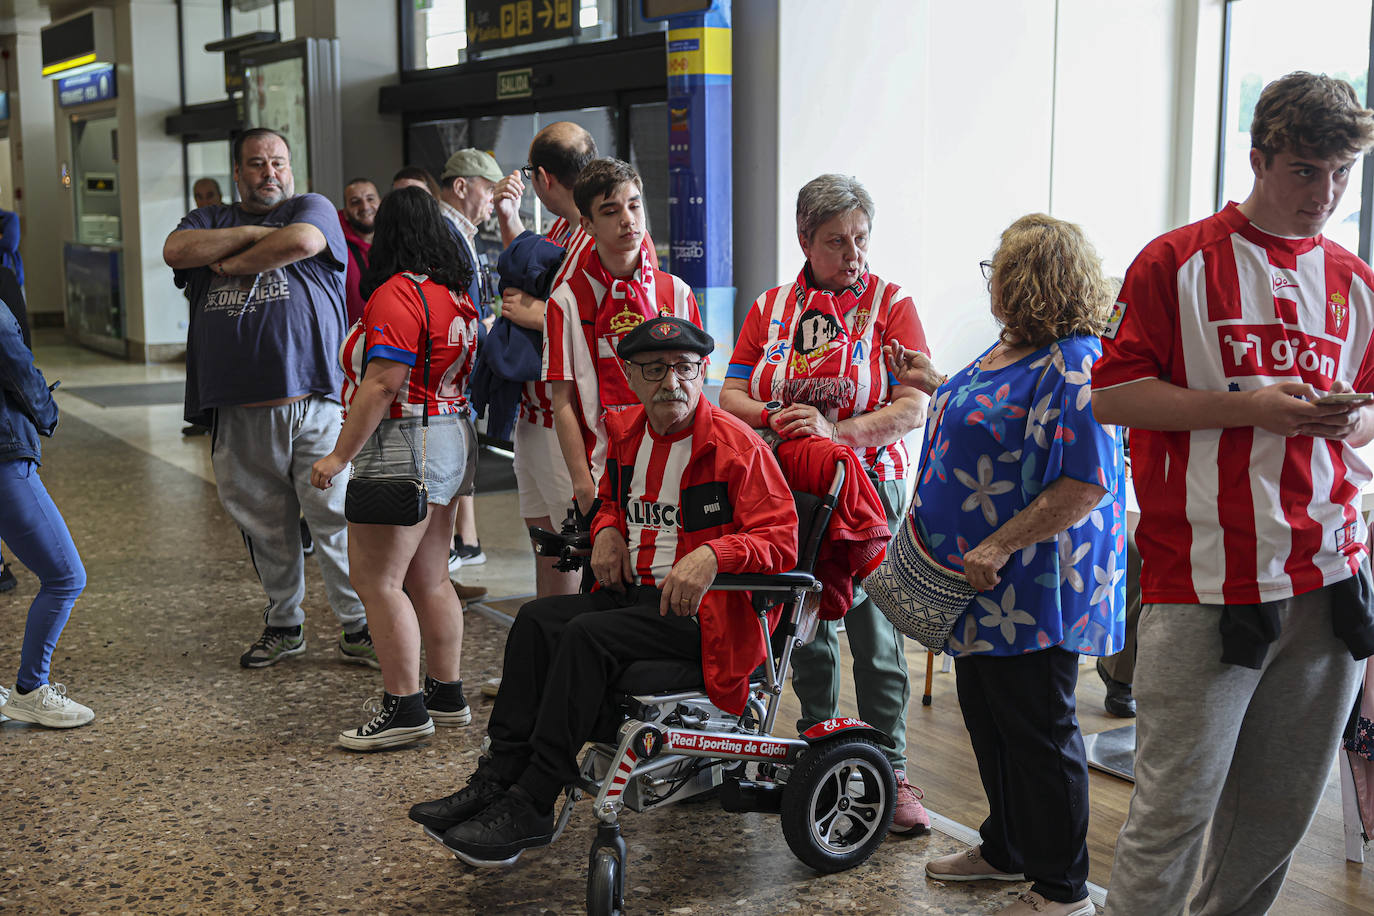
{"x": 920, "y": 596}
{"x": 400, "y": 500}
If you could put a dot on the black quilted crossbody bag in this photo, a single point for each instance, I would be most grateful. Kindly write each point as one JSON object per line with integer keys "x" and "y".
{"x": 398, "y": 500}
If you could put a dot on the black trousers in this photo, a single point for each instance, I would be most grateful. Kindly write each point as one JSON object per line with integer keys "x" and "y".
{"x": 1023, "y": 723}
{"x": 562, "y": 655}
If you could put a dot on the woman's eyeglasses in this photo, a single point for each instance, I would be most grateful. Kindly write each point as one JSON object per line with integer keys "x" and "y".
{"x": 986, "y": 268}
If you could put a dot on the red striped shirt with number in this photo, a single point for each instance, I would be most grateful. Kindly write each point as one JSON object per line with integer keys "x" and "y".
{"x": 1241, "y": 515}
{"x": 392, "y": 326}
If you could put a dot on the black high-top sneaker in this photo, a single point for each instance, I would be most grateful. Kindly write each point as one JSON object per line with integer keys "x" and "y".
{"x": 395, "y": 721}
{"x": 445, "y": 702}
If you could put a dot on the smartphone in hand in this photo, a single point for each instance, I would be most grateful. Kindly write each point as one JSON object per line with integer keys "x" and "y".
{"x": 1346, "y": 397}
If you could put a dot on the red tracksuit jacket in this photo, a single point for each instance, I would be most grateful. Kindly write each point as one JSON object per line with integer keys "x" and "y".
{"x": 747, "y": 516}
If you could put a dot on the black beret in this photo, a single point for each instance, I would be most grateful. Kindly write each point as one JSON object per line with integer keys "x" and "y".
{"x": 665, "y": 333}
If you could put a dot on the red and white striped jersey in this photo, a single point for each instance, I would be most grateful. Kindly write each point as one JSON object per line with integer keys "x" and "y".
{"x": 393, "y": 326}
{"x": 575, "y": 352}
{"x": 653, "y": 505}
{"x": 882, "y": 313}
{"x": 536, "y": 403}
{"x": 715, "y": 486}
{"x": 1241, "y": 515}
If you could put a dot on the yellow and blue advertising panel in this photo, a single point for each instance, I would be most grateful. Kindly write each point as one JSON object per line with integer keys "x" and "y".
{"x": 699, "y": 171}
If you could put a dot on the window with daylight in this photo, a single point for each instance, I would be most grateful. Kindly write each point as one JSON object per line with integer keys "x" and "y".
{"x": 1266, "y": 39}
{"x": 437, "y": 33}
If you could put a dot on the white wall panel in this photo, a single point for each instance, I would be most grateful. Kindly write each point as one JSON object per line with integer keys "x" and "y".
{"x": 1116, "y": 86}
{"x": 987, "y": 156}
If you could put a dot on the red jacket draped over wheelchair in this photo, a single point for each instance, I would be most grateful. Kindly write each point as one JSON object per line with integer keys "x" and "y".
{"x": 760, "y": 537}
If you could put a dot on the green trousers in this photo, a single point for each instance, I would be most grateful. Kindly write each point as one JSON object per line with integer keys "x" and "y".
{"x": 881, "y": 683}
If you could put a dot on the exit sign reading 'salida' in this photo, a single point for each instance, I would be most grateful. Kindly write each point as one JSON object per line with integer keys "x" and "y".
{"x": 505, "y": 23}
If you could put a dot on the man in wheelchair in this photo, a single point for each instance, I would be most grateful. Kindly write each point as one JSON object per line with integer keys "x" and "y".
{"x": 688, "y": 492}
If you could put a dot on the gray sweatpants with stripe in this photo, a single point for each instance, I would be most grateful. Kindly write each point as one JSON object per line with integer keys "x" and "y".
{"x": 1246, "y": 751}
{"x": 262, "y": 458}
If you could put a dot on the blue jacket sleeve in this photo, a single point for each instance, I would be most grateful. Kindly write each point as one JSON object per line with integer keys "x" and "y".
{"x": 21, "y": 379}
{"x": 9, "y": 231}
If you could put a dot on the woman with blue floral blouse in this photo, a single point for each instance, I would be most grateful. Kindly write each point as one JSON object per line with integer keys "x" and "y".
{"x": 1020, "y": 488}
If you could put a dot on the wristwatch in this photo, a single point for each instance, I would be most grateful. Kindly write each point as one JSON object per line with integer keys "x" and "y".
{"x": 768, "y": 408}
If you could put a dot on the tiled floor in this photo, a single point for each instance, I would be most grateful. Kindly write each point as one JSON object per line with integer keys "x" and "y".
{"x": 205, "y": 788}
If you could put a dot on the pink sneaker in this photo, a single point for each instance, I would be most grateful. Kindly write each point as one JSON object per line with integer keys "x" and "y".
{"x": 910, "y": 815}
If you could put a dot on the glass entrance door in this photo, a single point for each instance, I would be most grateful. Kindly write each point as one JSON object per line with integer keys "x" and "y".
{"x": 507, "y": 137}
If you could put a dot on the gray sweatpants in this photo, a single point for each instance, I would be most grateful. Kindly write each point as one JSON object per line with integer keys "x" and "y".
{"x": 1246, "y": 751}
{"x": 262, "y": 458}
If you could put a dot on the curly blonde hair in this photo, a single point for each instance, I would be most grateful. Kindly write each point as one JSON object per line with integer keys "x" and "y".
{"x": 1049, "y": 282}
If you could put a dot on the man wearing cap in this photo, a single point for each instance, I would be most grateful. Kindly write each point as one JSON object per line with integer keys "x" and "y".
{"x": 467, "y": 189}
{"x": 689, "y": 491}
{"x": 466, "y": 196}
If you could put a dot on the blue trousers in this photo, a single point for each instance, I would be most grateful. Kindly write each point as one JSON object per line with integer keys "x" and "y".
{"x": 38, "y": 537}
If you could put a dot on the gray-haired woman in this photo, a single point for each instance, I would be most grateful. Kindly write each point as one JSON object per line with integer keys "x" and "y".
{"x": 809, "y": 362}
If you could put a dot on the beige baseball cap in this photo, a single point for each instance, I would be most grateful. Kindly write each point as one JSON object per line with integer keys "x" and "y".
{"x": 471, "y": 163}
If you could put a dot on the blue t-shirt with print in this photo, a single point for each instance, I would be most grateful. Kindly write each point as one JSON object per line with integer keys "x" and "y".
{"x": 270, "y": 335}
{"x": 1000, "y": 438}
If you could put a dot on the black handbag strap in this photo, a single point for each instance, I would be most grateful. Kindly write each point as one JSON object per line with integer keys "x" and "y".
{"x": 429, "y": 345}
{"x": 424, "y": 410}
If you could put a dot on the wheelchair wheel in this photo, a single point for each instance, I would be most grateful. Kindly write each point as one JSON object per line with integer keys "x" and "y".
{"x": 604, "y": 894}
{"x": 838, "y": 804}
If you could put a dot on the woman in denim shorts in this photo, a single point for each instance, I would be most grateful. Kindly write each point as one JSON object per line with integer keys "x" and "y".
{"x": 415, "y": 284}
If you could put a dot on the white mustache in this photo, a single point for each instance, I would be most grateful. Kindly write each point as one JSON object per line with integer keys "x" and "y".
{"x": 665, "y": 395}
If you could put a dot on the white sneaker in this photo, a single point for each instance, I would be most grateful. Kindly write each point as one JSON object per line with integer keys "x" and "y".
{"x": 4, "y": 698}
{"x": 48, "y": 706}
{"x": 455, "y": 560}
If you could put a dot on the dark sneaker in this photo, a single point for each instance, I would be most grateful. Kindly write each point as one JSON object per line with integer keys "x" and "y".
{"x": 440, "y": 815}
{"x": 470, "y": 554}
{"x": 358, "y": 649}
{"x": 502, "y": 829}
{"x": 307, "y": 542}
{"x": 275, "y": 644}
{"x": 1119, "y": 701}
{"x": 446, "y": 703}
{"x": 395, "y": 721}
{"x": 7, "y": 580}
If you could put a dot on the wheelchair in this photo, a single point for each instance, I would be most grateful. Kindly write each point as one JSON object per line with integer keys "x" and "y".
{"x": 833, "y": 787}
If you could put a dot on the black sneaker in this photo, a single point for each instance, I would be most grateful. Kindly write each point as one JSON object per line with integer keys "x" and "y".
{"x": 358, "y": 649}
{"x": 307, "y": 542}
{"x": 275, "y": 644}
{"x": 470, "y": 554}
{"x": 502, "y": 829}
{"x": 482, "y": 789}
{"x": 7, "y": 580}
{"x": 395, "y": 721}
{"x": 1119, "y": 702}
{"x": 446, "y": 703}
